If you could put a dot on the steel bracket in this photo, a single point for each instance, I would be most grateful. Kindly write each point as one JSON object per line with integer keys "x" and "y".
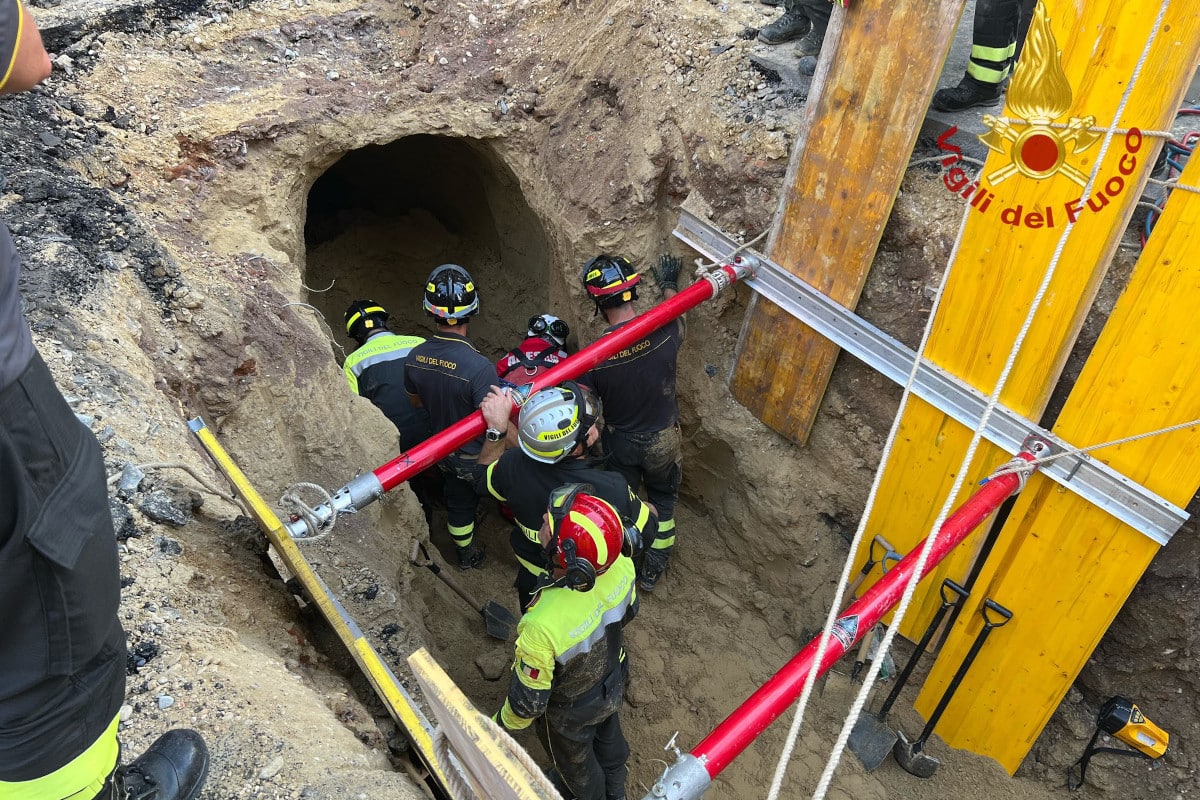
{"x": 1096, "y": 482}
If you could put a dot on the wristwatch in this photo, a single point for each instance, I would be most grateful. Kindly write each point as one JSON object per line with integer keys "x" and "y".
{"x": 494, "y": 435}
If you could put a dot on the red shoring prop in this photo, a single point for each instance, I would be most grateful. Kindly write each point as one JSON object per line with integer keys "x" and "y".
{"x": 368, "y": 488}
{"x": 741, "y": 727}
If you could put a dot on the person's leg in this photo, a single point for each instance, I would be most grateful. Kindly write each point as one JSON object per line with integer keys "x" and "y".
{"x": 612, "y": 752}
{"x": 662, "y": 464}
{"x": 569, "y": 739}
{"x": 993, "y": 48}
{"x": 623, "y": 455}
{"x": 818, "y": 13}
{"x": 62, "y": 651}
{"x": 792, "y": 24}
{"x": 461, "y": 502}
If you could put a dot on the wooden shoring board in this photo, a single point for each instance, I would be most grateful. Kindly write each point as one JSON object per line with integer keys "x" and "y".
{"x": 878, "y": 69}
{"x": 493, "y": 768}
{"x": 400, "y": 705}
{"x": 1000, "y": 266}
{"x": 1068, "y": 566}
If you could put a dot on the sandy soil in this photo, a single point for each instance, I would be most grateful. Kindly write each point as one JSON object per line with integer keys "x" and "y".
{"x": 164, "y": 191}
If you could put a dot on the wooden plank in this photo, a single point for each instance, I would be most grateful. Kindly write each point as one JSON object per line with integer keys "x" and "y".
{"x": 495, "y": 766}
{"x": 1066, "y": 566}
{"x": 1000, "y": 265}
{"x": 850, "y": 154}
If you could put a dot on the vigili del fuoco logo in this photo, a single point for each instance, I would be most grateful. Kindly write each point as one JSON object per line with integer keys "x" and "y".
{"x": 1035, "y": 142}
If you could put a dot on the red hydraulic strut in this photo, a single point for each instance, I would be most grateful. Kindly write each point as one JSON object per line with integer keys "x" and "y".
{"x": 687, "y": 778}
{"x": 367, "y": 488}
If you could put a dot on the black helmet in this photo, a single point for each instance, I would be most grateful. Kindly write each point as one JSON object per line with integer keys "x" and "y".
{"x": 450, "y": 295}
{"x": 610, "y": 280}
{"x": 363, "y": 318}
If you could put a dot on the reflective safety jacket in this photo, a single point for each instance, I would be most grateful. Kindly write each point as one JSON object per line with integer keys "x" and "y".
{"x": 376, "y": 371}
{"x": 568, "y": 644}
{"x": 525, "y": 485}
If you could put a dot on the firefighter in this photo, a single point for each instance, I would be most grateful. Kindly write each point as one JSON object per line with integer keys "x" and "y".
{"x": 997, "y": 34}
{"x": 570, "y": 668}
{"x": 375, "y": 370}
{"x": 62, "y": 647}
{"x": 554, "y": 429}
{"x": 641, "y": 435}
{"x": 545, "y": 340}
{"x": 447, "y": 376}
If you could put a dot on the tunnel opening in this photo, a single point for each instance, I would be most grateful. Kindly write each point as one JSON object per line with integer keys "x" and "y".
{"x": 384, "y": 216}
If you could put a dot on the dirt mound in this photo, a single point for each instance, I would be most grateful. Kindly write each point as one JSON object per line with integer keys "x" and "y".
{"x": 162, "y": 188}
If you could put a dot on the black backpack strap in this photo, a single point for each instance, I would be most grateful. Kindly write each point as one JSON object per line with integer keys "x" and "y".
{"x": 530, "y": 363}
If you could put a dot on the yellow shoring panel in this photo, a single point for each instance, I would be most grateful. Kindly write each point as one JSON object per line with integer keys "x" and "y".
{"x": 400, "y": 705}
{"x": 1000, "y": 266}
{"x": 494, "y": 767}
{"x": 1066, "y": 566}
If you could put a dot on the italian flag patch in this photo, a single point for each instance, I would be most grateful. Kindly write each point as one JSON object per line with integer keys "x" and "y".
{"x": 530, "y": 672}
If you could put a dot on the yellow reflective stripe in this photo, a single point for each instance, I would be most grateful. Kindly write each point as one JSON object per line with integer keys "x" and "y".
{"x": 491, "y": 487}
{"x": 529, "y": 565}
{"x": 593, "y": 530}
{"x": 462, "y": 534}
{"x": 80, "y": 779}
{"x": 666, "y": 525}
{"x": 985, "y": 75}
{"x": 997, "y": 54}
{"x": 663, "y": 543}
{"x": 511, "y": 719}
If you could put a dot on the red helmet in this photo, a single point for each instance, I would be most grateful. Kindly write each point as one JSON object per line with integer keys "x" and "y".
{"x": 586, "y": 535}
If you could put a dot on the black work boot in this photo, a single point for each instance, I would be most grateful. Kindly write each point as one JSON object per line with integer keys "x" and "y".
{"x": 173, "y": 768}
{"x": 471, "y": 557}
{"x": 654, "y": 564}
{"x": 792, "y": 25}
{"x": 968, "y": 94}
{"x": 810, "y": 45}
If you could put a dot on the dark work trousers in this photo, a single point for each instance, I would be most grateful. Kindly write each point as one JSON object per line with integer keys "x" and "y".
{"x": 458, "y": 474}
{"x": 62, "y": 649}
{"x": 655, "y": 459}
{"x": 996, "y": 37}
{"x": 426, "y": 486}
{"x": 817, "y": 11}
{"x": 586, "y": 744}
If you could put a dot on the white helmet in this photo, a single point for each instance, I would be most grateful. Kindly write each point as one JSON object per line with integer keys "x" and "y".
{"x": 553, "y": 421}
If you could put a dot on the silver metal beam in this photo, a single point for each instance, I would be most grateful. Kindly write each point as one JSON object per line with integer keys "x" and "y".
{"x": 1092, "y": 480}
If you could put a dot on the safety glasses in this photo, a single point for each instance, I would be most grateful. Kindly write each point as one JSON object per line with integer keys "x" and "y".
{"x": 558, "y": 329}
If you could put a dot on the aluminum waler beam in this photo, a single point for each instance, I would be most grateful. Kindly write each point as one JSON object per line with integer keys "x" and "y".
{"x": 1092, "y": 480}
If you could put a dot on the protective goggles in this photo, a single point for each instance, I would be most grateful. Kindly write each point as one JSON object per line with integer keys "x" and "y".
{"x": 557, "y": 328}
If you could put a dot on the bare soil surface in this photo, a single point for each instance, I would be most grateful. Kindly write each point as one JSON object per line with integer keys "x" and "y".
{"x": 200, "y": 185}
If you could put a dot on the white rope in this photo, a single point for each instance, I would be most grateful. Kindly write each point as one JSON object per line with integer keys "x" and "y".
{"x": 1078, "y": 451}
{"x": 458, "y": 786}
{"x": 847, "y": 567}
{"x": 294, "y": 504}
{"x": 993, "y": 400}
{"x": 703, "y": 267}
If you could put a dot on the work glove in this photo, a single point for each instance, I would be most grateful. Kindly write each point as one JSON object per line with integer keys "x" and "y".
{"x": 666, "y": 273}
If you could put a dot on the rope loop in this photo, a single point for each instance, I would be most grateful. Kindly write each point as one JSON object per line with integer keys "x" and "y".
{"x": 295, "y": 506}
{"x": 1016, "y": 466}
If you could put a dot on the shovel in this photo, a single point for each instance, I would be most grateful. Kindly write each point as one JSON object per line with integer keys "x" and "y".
{"x": 911, "y": 755}
{"x": 871, "y": 739}
{"x": 497, "y": 619}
